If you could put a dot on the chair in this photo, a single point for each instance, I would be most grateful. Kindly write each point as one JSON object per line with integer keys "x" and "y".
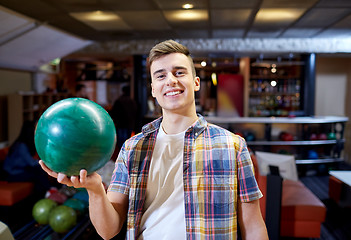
{"x": 302, "y": 213}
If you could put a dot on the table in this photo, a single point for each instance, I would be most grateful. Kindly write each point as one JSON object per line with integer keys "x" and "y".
{"x": 344, "y": 194}
{"x": 344, "y": 176}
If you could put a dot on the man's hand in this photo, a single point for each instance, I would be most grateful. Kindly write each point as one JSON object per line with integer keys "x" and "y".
{"x": 108, "y": 211}
{"x": 91, "y": 182}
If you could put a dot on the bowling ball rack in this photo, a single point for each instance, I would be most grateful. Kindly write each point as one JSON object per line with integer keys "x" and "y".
{"x": 34, "y": 231}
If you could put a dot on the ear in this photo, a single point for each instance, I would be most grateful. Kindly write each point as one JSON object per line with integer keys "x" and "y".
{"x": 152, "y": 91}
{"x": 197, "y": 84}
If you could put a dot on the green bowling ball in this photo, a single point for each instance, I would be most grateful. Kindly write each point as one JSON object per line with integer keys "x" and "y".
{"x": 74, "y": 134}
{"x": 62, "y": 218}
{"x": 331, "y": 136}
{"x": 41, "y": 210}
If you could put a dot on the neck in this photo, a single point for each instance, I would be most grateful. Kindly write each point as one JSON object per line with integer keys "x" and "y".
{"x": 174, "y": 123}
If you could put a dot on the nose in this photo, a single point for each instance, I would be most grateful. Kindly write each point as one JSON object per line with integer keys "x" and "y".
{"x": 171, "y": 79}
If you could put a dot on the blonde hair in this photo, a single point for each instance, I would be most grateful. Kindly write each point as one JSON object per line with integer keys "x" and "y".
{"x": 168, "y": 47}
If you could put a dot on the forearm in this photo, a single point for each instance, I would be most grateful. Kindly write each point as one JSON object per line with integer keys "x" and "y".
{"x": 259, "y": 232}
{"x": 252, "y": 225}
{"x": 103, "y": 215}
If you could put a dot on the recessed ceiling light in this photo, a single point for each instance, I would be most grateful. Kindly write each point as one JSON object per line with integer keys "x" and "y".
{"x": 187, "y": 15}
{"x": 278, "y": 14}
{"x": 101, "y": 20}
{"x": 187, "y": 6}
{"x": 96, "y": 16}
{"x": 102, "y": 16}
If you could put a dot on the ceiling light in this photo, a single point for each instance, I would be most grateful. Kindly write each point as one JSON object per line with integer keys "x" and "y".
{"x": 188, "y": 6}
{"x": 101, "y": 20}
{"x": 203, "y": 63}
{"x": 278, "y": 14}
{"x": 100, "y": 16}
{"x": 187, "y": 15}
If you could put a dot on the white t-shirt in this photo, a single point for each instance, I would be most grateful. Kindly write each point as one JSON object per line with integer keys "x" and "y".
{"x": 164, "y": 213}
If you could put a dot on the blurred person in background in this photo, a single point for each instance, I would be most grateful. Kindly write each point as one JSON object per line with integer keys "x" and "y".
{"x": 21, "y": 163}
{"x": 124, "y": 114}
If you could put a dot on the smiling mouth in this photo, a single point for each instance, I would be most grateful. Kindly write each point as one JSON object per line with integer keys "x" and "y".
{"x": 173, "y": 93}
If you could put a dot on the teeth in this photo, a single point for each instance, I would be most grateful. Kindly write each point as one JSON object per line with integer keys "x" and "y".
{"x": 172, "y": 93}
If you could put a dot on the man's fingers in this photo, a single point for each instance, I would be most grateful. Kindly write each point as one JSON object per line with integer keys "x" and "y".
{"x": 47, "y": 170}
{"x": 75, "y": 180}
{"x": 83, "y": 175}
{"x": 62, "y": 178}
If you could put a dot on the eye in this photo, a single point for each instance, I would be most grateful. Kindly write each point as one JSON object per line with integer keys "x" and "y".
{"x": 179, "y": 73}
{"x": 160, "y": 76}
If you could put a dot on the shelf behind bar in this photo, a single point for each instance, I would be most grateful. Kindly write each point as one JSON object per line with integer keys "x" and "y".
{"x": 310, "y": 120}
{"x": 272, "y": 93}
{"x": 293, "y": 143}
{"x": 318, "y": 161}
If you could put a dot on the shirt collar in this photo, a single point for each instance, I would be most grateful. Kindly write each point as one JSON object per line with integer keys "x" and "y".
{"x": 196, "y": 129}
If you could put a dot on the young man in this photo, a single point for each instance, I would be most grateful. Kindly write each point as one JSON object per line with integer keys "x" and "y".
{"x": 181, "y": 177}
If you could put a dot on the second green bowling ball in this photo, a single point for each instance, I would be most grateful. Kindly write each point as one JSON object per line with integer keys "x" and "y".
{"x": 62, "y": 218}
{"x": 75, "y": 134}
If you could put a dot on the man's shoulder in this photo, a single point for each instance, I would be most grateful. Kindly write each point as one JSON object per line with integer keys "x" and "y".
{"x": 218, "y": 129}
{"x": 221, "y": 133}
{"x": 135, "y": 139}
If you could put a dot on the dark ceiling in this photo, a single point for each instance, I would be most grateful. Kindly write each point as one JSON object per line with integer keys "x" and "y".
{"x": 154, "y": 19}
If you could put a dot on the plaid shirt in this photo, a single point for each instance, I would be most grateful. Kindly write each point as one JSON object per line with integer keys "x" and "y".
{"x": 216, "y": 164}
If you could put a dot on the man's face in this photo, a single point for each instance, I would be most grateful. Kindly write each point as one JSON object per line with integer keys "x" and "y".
{"x": 173, "y": 83}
